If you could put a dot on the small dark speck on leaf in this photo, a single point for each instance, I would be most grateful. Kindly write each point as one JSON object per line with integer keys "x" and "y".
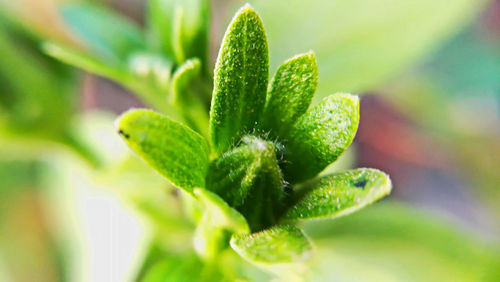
{"x": 360, "y": 183}
{"x": 175, "y": 192}
{"x": 122, "y": 133}
{"x": 287, "y": 189}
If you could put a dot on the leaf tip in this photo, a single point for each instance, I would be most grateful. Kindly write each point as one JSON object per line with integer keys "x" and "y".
{"x": 126, "y": 120}
{"x": 387, "y": 185}
{"x": 246, "y": 11}
{"x": 247, "y": 7}
{"x": 311, "y": 54}
{"x": 348, "y": 96}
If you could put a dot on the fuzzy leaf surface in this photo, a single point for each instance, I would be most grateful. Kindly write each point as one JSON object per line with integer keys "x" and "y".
{"x": 340, "y": 194}
{"x": 172, "y": 149}
{"x": 281, "y": 244}
{"x": 249, "y": 179}
{"x": 320, "y": 136}
{"x": 290, "y": 92}
{"x": 240, "y": 80}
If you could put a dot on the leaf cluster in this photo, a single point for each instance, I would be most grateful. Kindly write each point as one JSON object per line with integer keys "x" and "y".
{"x": 256, "y": 174}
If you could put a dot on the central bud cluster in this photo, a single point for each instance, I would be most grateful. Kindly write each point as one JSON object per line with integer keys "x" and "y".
{"x": 249, "y": 179}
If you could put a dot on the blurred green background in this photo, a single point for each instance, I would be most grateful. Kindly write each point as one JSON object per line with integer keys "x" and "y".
{"x": 75, "y": 205}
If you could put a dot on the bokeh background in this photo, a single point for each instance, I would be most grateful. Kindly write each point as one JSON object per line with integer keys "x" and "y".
{"x": 429, "y": 75}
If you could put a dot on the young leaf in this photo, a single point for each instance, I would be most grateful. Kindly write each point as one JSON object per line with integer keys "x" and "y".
{"x": 240, "y": 80}
{"x": 282, "y": 244}
{"x": 221, "y": 214}
{"x": 249, "y": 179}
{"x": 172, "y": 149}
{"x": 178, "y": 35}
{"x": 290, "y": 92}
{"x": 320, "y": 136}
{"x": 108, "y": 34}
{"x": 183, "y": 94}
{"x": 153, "y": 69}
{"x": 180, "y": 27}
{"x": 340, "y": 194}
{"x": 208, "y": 239}
{"x": 181, "y": 79}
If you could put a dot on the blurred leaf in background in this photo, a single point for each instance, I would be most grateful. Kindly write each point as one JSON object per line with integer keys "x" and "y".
{"x": 28, "y": 248}
{"x": 455, "y": 96}
{"x": 145, "y": 61}
{"x": 392, "y": 242}
{"x": 38, "y": 94}
{"x": 360, "y": 44}
{"x": 39, "y": 17}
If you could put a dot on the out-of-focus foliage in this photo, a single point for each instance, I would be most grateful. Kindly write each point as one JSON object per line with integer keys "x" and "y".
{"x": 36, "y": 96}
{"x": 27, "y": 242}
{"x": 180, "y": 28}
{"x": 144, "y": 61}
{"x": 456, "y": 97}
{"x": 359, "y": 43}
{"x": 40, "y": 17}
{"x": 391, "y": 242}
{"x": 37, "y": 99}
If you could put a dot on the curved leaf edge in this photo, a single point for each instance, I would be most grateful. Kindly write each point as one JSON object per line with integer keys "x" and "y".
{"x": 376, "y": 196}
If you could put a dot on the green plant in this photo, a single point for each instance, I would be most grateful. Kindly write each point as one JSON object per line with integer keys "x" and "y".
{"x": 259, "y": 175}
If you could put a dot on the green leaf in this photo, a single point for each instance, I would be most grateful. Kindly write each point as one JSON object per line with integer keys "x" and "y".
{"x": 320, "y": 136}
{"x": 340, "y": 194}
{"x": 86, "y": 62}
{"x": 181, "y": 79}
{"x": 273, "y": 248}
{"x": 221, "y": 214}
{"x": 218, "y": 222}
{"x": 108, "y": 34}
{"x": 290, "y": 92}
{"x": 178, "y": 35}
{"x": 146, "y": 75}
{"x": 172, "y": 149}
{"x": 185, "y": 96}
{"x": 249, "y": 179}
{"x": 151, "y": 69}
{"x": 241, "y": 76}
{"x": 180, "y": 28}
